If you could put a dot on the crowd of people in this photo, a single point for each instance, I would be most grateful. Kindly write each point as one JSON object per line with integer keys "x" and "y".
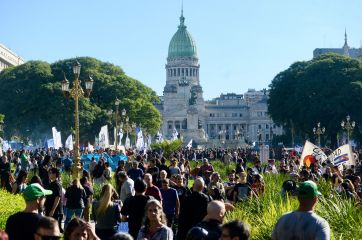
{"x": 151, "y": 197}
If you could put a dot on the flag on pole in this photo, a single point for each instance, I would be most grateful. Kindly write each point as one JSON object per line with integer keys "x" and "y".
{"x": 69, "y": 142}
{"x": 103, "y": 137}
{"x": 310, "y": 154}
{"x": 342, "y": 155}
{"x": 189, "y": 145}
{"x": 174, "y": 134}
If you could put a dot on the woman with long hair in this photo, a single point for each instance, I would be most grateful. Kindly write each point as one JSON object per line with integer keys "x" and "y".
{"x": 107, "y": 212}
{"x": 20, "y": 184}
{"x": 155, "y": 227}
{"x": 75, "y": 195}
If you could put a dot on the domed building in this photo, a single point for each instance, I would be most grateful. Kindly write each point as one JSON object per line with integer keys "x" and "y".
{"x": 183, "y": 104}
{"x": 229, "y": 119}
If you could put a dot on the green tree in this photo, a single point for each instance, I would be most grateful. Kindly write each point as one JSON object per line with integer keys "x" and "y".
{"x": 325, "y": 89}
{"x": 168, "y": 147}
{"x": 33, "y": 102}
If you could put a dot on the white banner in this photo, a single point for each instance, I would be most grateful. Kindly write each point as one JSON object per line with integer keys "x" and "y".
{"x": 189, "y": 145}
{"x": 54, "y": 133}
{"x": 103, "y": 137}
{"x": 342, "y": 155}
{"x": 139, "y": 143}
{"x": 311, "y": 153}
{"x": 59, "y": 141}
{"x": 69, "y": 142}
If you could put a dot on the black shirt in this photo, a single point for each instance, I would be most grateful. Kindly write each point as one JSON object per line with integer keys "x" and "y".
{"x": 192, "y": 211}
{"x": 22, "y": 225}
{"x": 49, "y": 202}
{"x": 182, "y": 193}
{"x": 134, "y": 208}
{"x": 213, "y": 227}
{"x": 75, "y": 197}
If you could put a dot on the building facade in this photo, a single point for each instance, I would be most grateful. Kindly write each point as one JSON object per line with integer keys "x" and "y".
{"x": 230, "y": 118}
{"x": 8, "y": 58}
{"x": 344, "y": 50}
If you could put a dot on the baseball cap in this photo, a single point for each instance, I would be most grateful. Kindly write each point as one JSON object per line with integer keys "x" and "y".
{"x": 308, "y": 189}
{"x": 35, "y": 191}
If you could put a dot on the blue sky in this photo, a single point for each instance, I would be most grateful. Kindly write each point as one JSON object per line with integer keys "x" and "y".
{"x": 241, "y": 44}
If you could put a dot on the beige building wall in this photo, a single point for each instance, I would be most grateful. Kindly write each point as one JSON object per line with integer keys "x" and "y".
{"x": 8, "y": 58}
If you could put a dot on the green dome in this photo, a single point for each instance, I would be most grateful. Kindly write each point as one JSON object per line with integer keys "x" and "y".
{"x": 182, "y": 44}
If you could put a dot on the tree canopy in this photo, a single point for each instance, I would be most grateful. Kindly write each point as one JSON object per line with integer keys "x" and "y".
{"x": 325, "y": 89}
{"x": 32, "y": 100}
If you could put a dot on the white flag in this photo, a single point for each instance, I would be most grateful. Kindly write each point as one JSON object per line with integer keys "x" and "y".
{"x": 120, "y": 134}
{"x": 140, "y": 142}
{"x": 69, "y": 142}
{"x": 311, "y": 153}
{"x": 158, "y": 137}
{"x": 174, "y": 134}
{"x": 90, "y": 147}
{"x": 128, "y": 142}
{"x": 59, "y": 141}
{"x": 189, "y": 145}
{"x": 342, "y": 155}
{"x": 103, "y": 137}
{"x": 55, "y": 138}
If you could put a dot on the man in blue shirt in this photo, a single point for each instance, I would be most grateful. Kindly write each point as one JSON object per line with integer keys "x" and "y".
{"x": 170, "y": 201}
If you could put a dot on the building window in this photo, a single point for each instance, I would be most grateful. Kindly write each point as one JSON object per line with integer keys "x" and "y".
{"x": 259, "y": 126}
{"x": 178, "y": 72}
{"x": 187, "y": 72}
{"x": 240, "y": 114}
{"x": 234, "y": 114}
{"x": 266, "y": 126}
{"x": 170, "y": 124}
{"x": 219, "y": 127}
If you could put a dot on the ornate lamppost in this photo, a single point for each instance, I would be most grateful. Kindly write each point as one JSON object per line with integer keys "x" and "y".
{"x": 118, "y": 122}
{"x": 76, "y": 92}
{"x": 319, "y": 131}
{"x": 348, "y": 126}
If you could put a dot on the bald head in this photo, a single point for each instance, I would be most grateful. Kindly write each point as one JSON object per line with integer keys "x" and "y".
{"x": 216, "y": 210}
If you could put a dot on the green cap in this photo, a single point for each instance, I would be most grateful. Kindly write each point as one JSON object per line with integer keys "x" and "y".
{"x": 308, "y": 189}
{"x": 35, "y": 191}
